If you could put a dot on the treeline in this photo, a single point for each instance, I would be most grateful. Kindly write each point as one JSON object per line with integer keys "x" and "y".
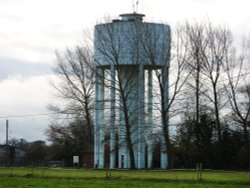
{"x": 204, "y": 119}
{"x": 194, "y": 144}
{"x": 21, "y": 152}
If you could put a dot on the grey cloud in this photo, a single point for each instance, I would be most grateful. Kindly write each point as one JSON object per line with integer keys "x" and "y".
{"x": 11, "y": 67}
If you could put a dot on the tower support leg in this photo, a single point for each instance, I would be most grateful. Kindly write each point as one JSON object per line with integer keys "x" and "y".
{"x": 112, "y": 117}
{"x": 99, "y": 119}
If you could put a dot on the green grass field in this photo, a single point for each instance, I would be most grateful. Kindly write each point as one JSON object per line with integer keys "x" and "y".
{"x": 63, "y": 178}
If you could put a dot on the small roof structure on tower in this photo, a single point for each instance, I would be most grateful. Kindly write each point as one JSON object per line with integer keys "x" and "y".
{"x": 132, "y": 17}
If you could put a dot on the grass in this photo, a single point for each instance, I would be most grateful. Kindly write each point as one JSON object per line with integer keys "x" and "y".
{"x": 79, "y": 178}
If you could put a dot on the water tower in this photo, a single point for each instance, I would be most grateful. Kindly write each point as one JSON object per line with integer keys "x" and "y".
{"x": 127, "y": 50}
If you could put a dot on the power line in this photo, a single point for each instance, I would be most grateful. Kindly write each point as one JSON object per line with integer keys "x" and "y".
{"x": 29, "y": 115}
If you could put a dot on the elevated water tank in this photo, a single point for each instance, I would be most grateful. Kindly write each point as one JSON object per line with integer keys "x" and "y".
{"x": 133, "y": 41}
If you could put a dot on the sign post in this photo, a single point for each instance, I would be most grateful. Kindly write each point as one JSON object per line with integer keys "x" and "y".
{"x": 76, "y": 161}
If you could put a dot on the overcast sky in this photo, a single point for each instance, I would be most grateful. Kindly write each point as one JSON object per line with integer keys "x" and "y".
{"x": 31, "y": 31}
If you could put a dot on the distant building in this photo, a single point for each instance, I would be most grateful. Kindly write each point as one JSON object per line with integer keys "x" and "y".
{"x": 10, "y": 155}
{"x": 87, "y": 158}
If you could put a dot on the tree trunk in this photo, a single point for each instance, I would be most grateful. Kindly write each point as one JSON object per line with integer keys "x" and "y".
{"x": 217, "y": 115}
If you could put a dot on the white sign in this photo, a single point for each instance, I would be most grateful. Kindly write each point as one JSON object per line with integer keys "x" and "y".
{"x": 75, "y": 159}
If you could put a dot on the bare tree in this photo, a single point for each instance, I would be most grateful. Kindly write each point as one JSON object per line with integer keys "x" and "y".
{"x": 237, "y": 86}
{"x": 68, "y": 138}
{"x": 195, "y": 47}
{"x": 74, "y": 84}
{"x": 207, "y": 47}
{"x": 218, "y": 41}
{"x": 169, "y": 80}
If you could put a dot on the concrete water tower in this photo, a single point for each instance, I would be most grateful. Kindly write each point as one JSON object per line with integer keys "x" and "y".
{"x": 127, "y": 51}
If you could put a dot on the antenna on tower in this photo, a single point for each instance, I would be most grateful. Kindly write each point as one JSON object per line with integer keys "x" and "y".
{"x": 135, "y": 6}
{"x": 137, "y": 2}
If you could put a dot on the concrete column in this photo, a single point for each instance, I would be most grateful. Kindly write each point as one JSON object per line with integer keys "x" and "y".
{"x": 96, "y": 128}
{"x": 123, "y": 150}
{"x": 112, "y": 117}
{"x": 150, "y": 121}
{"x": 99, "y": 120}
{"x": 141, "y": 127}
{"x": 129, "y": 86}
{"x": 164, "y": 156}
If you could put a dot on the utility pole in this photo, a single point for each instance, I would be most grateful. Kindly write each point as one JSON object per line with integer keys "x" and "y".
{"x": 7, "y": 132}
{"x": 7, "y": 143}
